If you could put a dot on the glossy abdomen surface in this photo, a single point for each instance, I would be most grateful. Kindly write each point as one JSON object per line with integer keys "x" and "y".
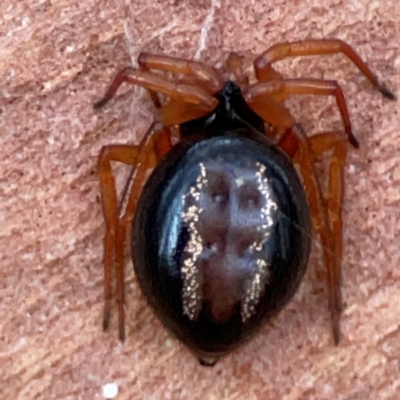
{"x": 221, "y": 239}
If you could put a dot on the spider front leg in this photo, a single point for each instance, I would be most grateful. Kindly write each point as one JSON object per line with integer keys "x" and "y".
{"x": 196, "y": 73}
{"x": 261, "y": 95}
{"x": 118, "y": 216}
{"x": 206, "y": 80}
{"x": 188, "y": 93}
{"x": 265, "y": 72}
{"x": 202, "y": 73}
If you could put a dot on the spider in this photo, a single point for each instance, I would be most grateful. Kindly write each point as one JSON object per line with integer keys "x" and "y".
{"x": 221, "y": 229}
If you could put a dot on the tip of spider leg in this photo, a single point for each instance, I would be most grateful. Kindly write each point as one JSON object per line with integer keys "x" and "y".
{"x": 336, "y": 330}
{"x": 336, "y": 337}
{"x": 353, "y": 140}
{"x": 355, "y": 143}
{"x": 386, "y": 92}
{"x": 121, "y": 320}
{"x": 100, "y": 103}
{"x": 106, "y": 323}
{"x": 106, "y": 315}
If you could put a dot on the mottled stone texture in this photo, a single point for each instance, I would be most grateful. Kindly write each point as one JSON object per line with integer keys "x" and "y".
{"x": 56, "y": 58}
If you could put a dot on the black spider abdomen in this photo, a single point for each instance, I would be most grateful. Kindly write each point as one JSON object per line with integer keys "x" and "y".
{"x": 221, "y": 238}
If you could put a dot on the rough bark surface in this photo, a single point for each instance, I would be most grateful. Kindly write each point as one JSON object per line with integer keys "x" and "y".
{"x": 56, "y": 58}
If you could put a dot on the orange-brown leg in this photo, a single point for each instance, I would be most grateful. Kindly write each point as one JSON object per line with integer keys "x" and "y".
{"x": 195, "y": 73}
{"x": 319, "y": 144}
{"x": 145, "y": 156}
{"x": 182, "y": 92}
{"x": 262, "y": 98}
{"x": 200, "y": 72}
{"x": 153, "y": 146}
{"x": 280, "y": 90}
{"x": 326, "y": 213}
{"x": 207, "y": 81}
{"x": 204, "y": 74}
{"x": 265, "y": 72}
{"x": 128, "y": 155}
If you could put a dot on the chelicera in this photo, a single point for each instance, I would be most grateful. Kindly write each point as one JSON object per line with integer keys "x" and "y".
{"x": 221, "y": 229}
